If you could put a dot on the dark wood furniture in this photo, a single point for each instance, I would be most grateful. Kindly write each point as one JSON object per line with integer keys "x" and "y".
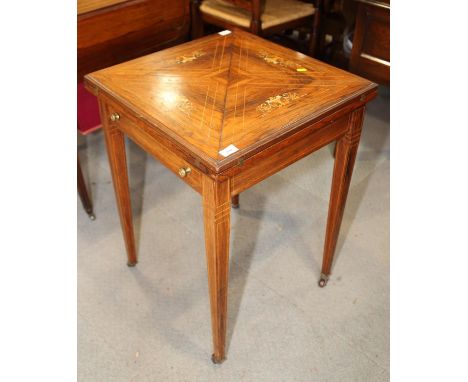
{"x": 223, "y": 113}
{"x": 114, "y": 31}
{"x": 370, "y": 56}
{"x": 83, "y": 192}
{"x": 261, "y": 17}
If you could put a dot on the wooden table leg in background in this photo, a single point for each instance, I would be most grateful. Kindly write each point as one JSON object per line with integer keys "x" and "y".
{"x": 346, "y": 149}
{"x": 235, "y": 201}
{"x": 217, "y": 216}
{"x": 115, "y": 142}
{"x": 83, "y": 192}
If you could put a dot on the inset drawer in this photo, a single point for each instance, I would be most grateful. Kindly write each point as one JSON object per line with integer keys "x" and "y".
{"x": 152, "y": 142}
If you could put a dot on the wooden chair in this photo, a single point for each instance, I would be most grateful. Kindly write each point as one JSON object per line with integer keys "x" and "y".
{"x": 83, "y": 192}
{"x": 261, "y": 17}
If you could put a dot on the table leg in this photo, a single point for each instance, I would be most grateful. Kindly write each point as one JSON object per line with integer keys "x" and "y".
{"x": 346, "y": 149}
{"x": 216, "y": 216}
{"x": 115, "y": 142}
{"x": 235, "y": 201}
{"x": 83, "y": 192}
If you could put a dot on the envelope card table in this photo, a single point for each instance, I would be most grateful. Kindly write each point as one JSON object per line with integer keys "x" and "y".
{"x": 223, "y": 113}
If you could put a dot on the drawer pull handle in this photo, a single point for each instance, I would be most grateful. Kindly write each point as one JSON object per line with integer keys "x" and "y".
{"x": 184, "y": 171}
{"x": 114, "y": 117}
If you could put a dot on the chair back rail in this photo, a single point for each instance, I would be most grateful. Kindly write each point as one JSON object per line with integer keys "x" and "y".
{"x": 256, "y": 8}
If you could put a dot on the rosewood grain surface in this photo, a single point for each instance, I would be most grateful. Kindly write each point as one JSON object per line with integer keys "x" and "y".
{"x": 113, "y": 31}
{"x": 370, "y": 56}
{"x": 190, "y": 104}
{"x": 220, "y": 90}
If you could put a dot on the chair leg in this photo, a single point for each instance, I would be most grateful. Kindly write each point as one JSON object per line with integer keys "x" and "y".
{"x": 197, "y": 21}
{"x": 235, "y": 201}
{"x": 83, "y": 192}
{"x": 315, "y": 30}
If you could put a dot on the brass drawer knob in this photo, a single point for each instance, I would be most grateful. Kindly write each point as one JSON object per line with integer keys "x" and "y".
{"x": 184, "y": 171}
{"x": 114, "y": 117}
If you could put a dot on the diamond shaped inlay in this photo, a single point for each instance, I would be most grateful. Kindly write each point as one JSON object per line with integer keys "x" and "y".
{"x": 235, "y": 89}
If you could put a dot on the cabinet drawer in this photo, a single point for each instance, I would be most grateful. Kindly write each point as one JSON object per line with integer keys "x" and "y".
{"x": 152, "y": 142}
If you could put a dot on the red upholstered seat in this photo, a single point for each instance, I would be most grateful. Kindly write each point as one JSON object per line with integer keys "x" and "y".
{"x": 88, "y": 111}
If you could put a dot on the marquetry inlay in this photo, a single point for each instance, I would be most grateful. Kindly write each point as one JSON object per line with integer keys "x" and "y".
{"x": 226, "y": 91}
{"x": 184, "y": 105}
{"x": 277, "y": 101}
{"x": 173, "y": 100}
{"x": 244, "y": 111}
{"x": 189, "y": 58}
{"x": 276, "y": 60}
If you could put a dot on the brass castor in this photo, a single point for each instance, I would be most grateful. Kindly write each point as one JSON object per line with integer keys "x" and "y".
{"x": 216, "y": 361}
{"x": 323, "y": 280}
{"x": 236, "y": 206}
{"x": 131, "y": 264}
{"x": 92, "y": 216}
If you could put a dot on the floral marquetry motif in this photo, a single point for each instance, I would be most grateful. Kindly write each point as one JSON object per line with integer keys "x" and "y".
{"x": 275, "y": 102}
{"x": 228, "y": 90}
{"x": 189, "y": 58}
{"x": 184, "y": 105}
{"x": 276, "y": 60}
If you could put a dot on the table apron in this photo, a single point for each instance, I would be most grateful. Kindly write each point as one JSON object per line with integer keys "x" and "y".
{"x": 248, "y": 172}
{"x": 157, "y": 148}
{"x": 284, "y": 153}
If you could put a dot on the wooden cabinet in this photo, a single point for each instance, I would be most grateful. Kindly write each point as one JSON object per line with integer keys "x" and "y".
{"x": 114, "y": 31}
{"x": 370, "y": 56}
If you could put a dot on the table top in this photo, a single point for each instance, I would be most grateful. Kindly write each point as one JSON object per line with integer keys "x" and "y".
{"x": 85, "y": 6}
{"x": 228, "y": 95}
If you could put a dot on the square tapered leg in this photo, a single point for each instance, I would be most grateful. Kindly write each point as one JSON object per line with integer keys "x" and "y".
{"x": 345, "y": 156}
{"x": 216, "y": 216}
{"x": 115, "y": 143}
